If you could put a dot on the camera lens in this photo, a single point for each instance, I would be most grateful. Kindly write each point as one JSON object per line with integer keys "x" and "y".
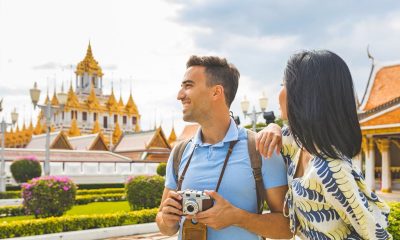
{"x": 190, "y": 208}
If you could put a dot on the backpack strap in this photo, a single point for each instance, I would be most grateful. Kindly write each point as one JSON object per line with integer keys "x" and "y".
{"x": 177, "y": 155}
{"x": 256, "y": 164}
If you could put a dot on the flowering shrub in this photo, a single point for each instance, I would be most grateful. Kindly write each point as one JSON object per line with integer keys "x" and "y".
{"x": 144, "y": 191}
{"x": 48, "y": 196}
{"x": 161, "y": 169}
{"x": 26, "y": 168}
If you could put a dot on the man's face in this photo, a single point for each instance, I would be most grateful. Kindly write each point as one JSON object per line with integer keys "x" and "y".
{"x": 194, "y": 94}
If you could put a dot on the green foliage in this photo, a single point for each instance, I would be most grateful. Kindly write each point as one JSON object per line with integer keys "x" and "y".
{"x": 111, "y": 197}
{"x": 10, "y": 195}
{"x": 100, "y": 191}
{"x": 48, "y": 196}
{"x": 261, "y": 126}
{"x": 394, "y": 220}
{"x": 144, "y": 191}
{"x": 25, "y": 169}
{"x": 74, "y": 223}
{"x": 100, "y": 186}
{"x": 161, "y": 169}
{"x": 10, "y": 211}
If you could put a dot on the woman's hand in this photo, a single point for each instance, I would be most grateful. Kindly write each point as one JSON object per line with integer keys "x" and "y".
{"x": 269, "y": 139}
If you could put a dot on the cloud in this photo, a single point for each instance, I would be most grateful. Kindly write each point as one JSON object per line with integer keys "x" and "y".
{"x": 47, "y": 66}
{"x": 259, "y": 36}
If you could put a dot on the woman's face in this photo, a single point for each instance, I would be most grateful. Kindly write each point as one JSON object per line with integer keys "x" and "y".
{"x": 283, "y": 102}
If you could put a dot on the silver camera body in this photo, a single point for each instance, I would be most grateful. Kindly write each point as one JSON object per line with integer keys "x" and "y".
{"x": 194, "y": 201}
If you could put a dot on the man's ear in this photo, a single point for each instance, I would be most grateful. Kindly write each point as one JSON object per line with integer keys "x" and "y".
{"x": 218, "y": 90}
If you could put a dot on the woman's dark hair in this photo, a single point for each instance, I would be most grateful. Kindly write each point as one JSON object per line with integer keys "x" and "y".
{"x": 321, "y": 106}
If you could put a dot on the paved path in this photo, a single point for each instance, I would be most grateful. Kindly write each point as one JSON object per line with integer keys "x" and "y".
{"x": 152, "y": 236}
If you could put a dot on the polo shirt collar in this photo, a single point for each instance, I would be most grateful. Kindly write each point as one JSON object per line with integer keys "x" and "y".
{"x": 231, "y": 135}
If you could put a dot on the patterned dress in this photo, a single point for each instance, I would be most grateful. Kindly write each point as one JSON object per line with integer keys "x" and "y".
{"x": 331, "y": 199}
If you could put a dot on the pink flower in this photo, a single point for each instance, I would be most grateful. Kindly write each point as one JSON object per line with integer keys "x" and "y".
{"x": 66, "y": 188}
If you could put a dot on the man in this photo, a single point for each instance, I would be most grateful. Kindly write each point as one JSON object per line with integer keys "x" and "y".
{"x": 207, "y": 91}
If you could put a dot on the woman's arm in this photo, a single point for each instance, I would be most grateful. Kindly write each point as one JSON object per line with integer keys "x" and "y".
{"x": 273, "y": 137}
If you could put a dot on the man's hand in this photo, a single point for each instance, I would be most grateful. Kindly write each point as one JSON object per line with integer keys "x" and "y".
{"x": 269, "y": 139}
{"x": 171, "y": 209}
{"x": 220, "y": 216}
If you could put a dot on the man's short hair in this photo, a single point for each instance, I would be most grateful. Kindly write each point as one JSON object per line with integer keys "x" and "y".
{"x": 218, "y": 72}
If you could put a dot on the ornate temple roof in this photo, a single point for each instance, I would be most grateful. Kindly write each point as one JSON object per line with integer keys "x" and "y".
{"x": 89, "y": 65}
{"x": 380, "y": 106}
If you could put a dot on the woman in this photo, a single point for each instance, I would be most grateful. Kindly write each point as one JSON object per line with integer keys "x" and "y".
{"x": 327, "y": 197}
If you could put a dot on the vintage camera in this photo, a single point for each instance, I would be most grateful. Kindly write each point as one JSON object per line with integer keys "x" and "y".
{"x": 194, "y": 201}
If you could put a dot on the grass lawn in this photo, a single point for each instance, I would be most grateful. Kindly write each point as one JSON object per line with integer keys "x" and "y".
{"x": 88, "y": 209}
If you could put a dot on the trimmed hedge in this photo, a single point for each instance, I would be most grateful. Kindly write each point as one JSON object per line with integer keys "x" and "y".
{"x": 100, "y": 191}
{"x": 12, "y": 211}
{"x": 394, "y": 220}
{"x": 17, "y": 194}
{"x": 100, "y": 186}
{"x": 10, "y": 195}
{"x": 112, "y": 197}
{"x": 74, "y": 223}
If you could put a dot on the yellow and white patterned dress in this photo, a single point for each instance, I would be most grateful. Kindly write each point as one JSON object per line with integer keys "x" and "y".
{"x": 331, "y": 199}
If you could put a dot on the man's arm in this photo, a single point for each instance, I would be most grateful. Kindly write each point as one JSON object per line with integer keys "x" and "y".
{"x": 169, "y": 213}
{"x": 271, "y": 225}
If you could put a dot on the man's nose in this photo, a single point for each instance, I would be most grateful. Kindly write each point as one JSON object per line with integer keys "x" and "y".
{"x": 180, "y": 95}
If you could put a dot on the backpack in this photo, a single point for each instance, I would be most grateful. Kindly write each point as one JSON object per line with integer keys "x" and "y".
{"x": 255, "y": 160}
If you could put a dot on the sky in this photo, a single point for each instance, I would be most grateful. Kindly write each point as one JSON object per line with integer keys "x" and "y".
{"x": 145, "y": 44}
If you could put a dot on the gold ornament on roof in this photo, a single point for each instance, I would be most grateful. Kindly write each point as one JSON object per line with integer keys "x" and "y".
{"x": 96, "y": 127}
{"x": 131, "y": 107}
{"x": 38, "y": 128}
{"x": 54, "y": 99}
{"x": 112, "y": 104}
{"x": 72, "y": 99}
{"x": 92, "y": 101}
{"x": 116, "y": 134}
{"x": 89, "y": 65}
{"x": 74, "y": 130}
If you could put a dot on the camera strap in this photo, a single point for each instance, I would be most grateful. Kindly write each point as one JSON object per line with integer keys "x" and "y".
{"x": 228, "y": 154}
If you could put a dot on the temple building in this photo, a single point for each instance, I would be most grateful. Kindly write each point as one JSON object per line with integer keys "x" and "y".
{"x": 87, "y": 110}
{"x": 379, "y": 115}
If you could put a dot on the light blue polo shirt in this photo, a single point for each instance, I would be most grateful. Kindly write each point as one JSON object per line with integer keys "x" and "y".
{"x": 237, "y": 186}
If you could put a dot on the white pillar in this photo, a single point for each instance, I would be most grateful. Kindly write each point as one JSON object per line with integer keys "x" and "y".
{"x": 357, "y": 161}
{"x": 383, "y": 146}
{"x": 370, "y": 165}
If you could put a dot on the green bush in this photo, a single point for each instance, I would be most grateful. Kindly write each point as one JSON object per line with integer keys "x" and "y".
{"x": 394, "y": 220}
{"x": 48, "y": 196}
{"x": 10, "y": 195}
{"x": 100, "y": 191}
{"x": 161, "y": 169}
{"x": 100, "y": 186}
{"x": 74, "y": 223}
{"x": 11, "y": 211}
{"x": 25, "y": 169}
{"x": 144, "y": 191}
{"x": 111, "y": 197}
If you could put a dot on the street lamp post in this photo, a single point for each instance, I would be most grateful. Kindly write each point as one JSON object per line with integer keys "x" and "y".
{"x": 49, "y": 111}
{"x": 245, "y": 104}
{"x": 4, "y": 124}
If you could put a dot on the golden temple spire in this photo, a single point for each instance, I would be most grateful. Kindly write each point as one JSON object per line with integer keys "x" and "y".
{"x": 47, "y": 98}
{"x": 30, "y": 128}
{"x": 116, "y": 134}
{"x": 89, "y": 65}
{"x": 137, "y": 127}
{"x": 92, "y": 101}
{"x": 72, "y": 99}
{"x": 131, "y": 107}
{"x": 74, "y": 130}
{"x": 172, "y": 136}
{"x": 54, "y": 99}
{"x": 121, "y": 102}
{"x": 96, "y": 127}
{"x": 112, "y": 102}
{"x": 38, "y": 128}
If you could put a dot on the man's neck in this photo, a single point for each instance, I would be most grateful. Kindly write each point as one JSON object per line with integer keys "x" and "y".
{"x": 214, "y": 131}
